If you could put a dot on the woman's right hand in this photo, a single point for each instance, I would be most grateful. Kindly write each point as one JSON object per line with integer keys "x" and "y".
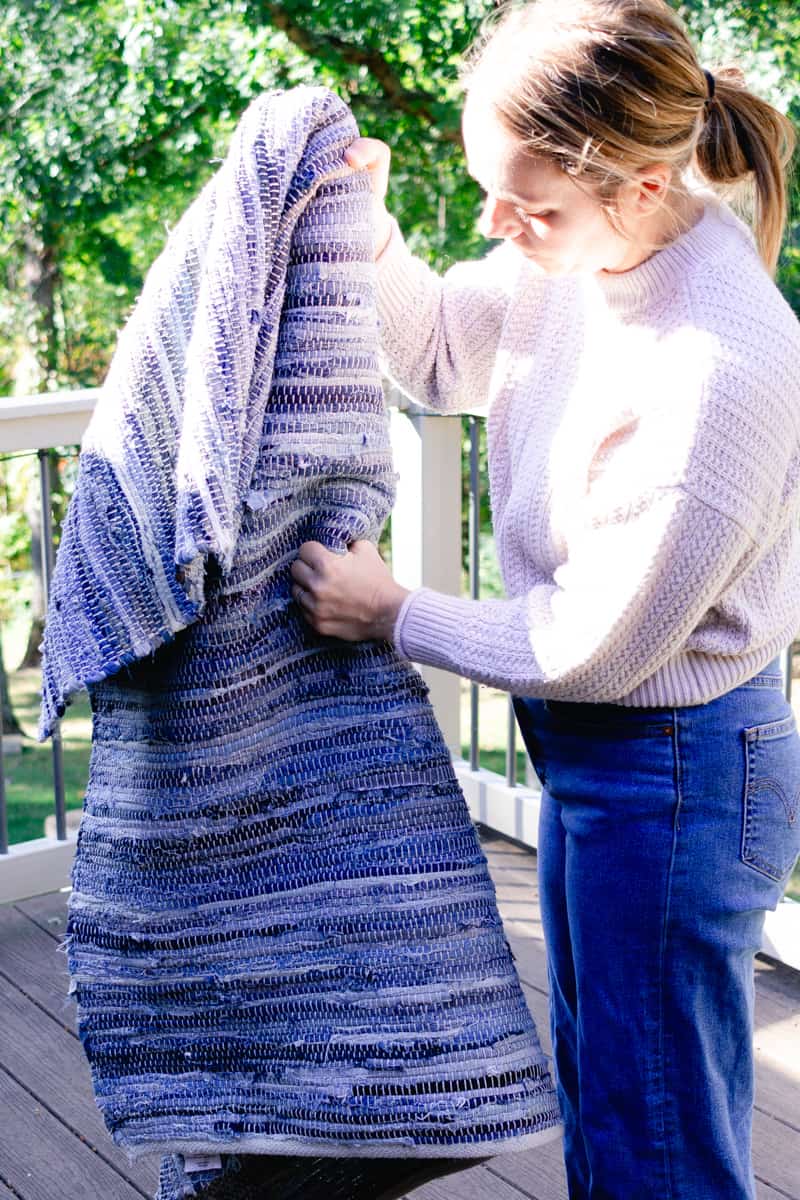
{"x": 374, "y": 156}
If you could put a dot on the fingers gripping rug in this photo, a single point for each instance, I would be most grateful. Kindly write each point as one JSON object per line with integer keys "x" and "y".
{"x": 282, "y": 935}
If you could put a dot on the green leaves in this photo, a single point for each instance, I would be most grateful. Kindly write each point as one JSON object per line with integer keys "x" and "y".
{"x": 764, "y": 39}
{"x": 112, "y": 113}
{"x": 103, "y": 107}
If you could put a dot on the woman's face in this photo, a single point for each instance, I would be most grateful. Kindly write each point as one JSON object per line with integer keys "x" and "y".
{"x": 557, "y": 225}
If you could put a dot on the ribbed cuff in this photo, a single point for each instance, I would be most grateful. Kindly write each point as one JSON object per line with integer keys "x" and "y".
{"x": 428, "y": 626}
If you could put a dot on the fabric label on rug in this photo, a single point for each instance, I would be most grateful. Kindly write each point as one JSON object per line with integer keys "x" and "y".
{"x": 200, "y": 1162}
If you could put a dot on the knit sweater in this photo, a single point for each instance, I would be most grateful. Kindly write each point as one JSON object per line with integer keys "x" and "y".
{"x": 644, "y": 465}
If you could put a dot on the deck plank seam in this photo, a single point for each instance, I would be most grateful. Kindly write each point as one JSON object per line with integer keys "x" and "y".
{"x": 13, "y": 1191}
{"x": 76, "y": 1133}
{"x": 771, "y": 1116}
{"x": 776, "y": 1188}
{"x": 51, "y": 933}
{"x": 535, "y": 987}
{"x": 509, "y": 1183}
{"x": 42, "y": 1008}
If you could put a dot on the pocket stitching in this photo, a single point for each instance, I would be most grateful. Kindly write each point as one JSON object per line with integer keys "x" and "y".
{"x": 770, "y": 730}
{"x": 753, "y": 735}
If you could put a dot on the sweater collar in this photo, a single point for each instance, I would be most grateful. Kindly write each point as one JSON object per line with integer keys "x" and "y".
{"x": 717, "y": 234}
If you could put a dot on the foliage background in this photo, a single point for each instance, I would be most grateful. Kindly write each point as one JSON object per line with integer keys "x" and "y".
{"x": 114, "y": 112}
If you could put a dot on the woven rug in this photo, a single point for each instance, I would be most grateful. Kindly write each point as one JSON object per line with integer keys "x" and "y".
{"x": 275, "y": 1177}
{"x": 282, "y": 935}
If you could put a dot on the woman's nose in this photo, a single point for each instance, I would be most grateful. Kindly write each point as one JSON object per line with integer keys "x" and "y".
{"x": 498, "y": 219}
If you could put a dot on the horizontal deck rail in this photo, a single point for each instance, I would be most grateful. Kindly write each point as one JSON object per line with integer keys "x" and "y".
{"x": 426, "y": 549}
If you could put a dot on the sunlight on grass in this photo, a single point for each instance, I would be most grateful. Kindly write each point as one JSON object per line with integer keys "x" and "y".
{"x": 492, "y": 730}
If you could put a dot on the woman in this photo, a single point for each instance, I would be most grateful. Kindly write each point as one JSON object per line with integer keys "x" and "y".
{"x": 640, "y": 372}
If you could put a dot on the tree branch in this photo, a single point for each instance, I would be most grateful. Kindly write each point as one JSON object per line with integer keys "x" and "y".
{"x": 316, "y": 45}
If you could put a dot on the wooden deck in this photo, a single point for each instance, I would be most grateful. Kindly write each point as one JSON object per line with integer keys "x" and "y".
{"x": 54, "y": 1146}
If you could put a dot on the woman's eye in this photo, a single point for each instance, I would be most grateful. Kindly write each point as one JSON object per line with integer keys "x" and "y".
{"x": 535, "y": 216}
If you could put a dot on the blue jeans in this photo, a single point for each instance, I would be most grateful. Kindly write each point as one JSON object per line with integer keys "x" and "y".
{"x": 665, "y": 834}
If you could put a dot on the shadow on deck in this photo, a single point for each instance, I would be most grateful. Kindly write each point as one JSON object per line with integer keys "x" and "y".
{"x": 54, "y": 1146}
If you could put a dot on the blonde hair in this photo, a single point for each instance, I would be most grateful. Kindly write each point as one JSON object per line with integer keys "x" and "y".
{"x": 605, "y": 88}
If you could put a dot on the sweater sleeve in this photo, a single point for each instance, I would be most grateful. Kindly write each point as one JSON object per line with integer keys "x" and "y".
{"x": 628, "y": 596}
{"x": 440, "y": 334}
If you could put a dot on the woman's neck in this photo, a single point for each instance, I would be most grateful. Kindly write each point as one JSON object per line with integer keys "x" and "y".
{"x": 666, "y": 225}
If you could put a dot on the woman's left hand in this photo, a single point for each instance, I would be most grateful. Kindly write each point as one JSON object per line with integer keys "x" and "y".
{"x": 350, "y": 596}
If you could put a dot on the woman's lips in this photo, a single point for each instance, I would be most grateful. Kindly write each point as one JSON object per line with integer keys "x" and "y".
{"x": 523, "y": 244}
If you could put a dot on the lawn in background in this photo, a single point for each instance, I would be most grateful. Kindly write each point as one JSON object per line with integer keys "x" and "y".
{"x": 29, "y": 774}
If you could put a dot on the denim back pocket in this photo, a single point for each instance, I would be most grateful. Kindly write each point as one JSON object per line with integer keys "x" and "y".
{"x": 771, "y": 834}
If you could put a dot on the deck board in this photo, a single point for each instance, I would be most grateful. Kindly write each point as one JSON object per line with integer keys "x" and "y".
{"x": 58, "y": 1076}
{"x": 45, "y": 1159}
{"x": 29, "y": 958}
{"x": 54, "y": 1145}
{"x": 478, "y": 1183}
{"x": 536, "y": 1173}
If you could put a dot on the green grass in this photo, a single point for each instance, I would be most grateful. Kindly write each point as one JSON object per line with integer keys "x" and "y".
{"x": 492, "y": 731}
{"x": 495, "y": 760}
{"x": 29, "y": 775}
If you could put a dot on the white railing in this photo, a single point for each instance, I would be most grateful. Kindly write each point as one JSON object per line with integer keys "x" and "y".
{"x": 426, "y": 549}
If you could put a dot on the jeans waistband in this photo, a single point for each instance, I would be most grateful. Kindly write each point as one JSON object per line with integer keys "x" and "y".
{"x": 770, "y": 676}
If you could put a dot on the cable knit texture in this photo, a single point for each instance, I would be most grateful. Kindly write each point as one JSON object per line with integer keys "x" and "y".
{"x": 644, "y": 465}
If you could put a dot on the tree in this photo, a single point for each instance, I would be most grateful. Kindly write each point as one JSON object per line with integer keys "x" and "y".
{"x": 110, "y": 115}
{"x": 15, "y": 541}
{"x": 113, "y": 112}
{"x": 397, "y": 64}
{"x": 10, "y": 723}
{"x": 102, "y": 106}
{"x": 764, "y": 38}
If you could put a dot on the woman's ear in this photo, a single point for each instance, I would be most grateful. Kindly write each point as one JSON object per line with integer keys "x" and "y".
{"x": 650, "y": 187}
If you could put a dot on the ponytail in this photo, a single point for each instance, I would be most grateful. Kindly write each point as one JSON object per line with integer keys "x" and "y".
{"x": 744, "y": 140}
{"x": 605, "y": 88}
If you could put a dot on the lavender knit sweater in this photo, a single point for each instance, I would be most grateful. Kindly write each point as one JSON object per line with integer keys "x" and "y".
{"x": 644, "y": 458}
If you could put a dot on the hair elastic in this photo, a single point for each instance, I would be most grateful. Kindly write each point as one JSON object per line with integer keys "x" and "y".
{"x": 712, "y": 85}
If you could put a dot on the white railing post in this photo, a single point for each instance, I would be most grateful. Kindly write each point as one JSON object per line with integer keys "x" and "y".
{"x": 426, "y": 530}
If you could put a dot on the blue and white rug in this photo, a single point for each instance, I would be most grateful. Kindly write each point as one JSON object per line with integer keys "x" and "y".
{"x": 282, "y": 935}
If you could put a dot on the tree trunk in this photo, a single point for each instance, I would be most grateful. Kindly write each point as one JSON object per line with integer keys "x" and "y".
{"x": 33, "y": 511}
{"x": 40, "y": 278}
{"x": 32, "y": 656}
{"x": 10, "y": 722}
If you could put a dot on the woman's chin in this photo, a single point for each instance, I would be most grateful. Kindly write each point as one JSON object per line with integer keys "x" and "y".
{"x": 541, "y": 265}
{"x": 533, "y": 255}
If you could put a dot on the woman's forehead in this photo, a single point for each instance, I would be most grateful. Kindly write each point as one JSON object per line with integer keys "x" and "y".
{"x": 500, "y": 162}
